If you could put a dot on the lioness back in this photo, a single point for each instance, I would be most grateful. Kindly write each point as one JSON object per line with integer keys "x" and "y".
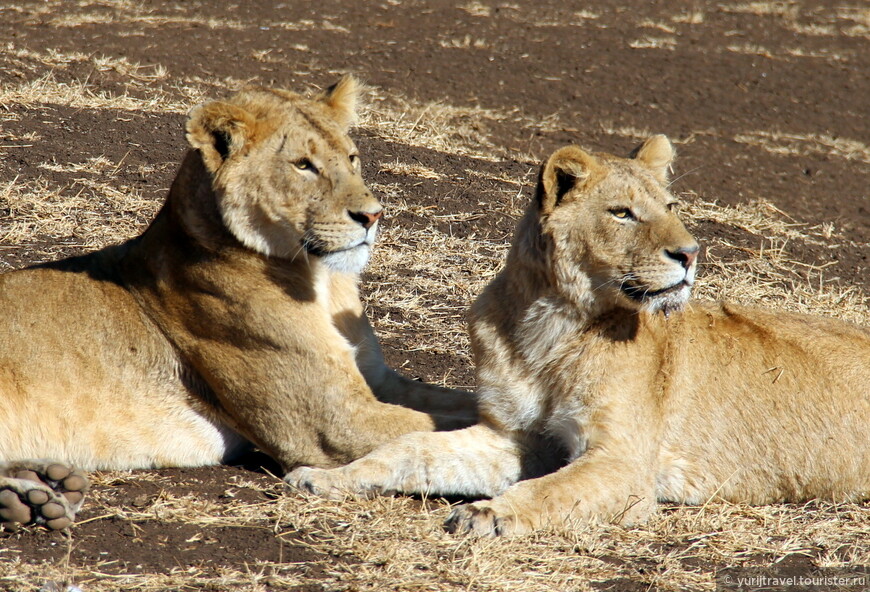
{"x": 760, "y": 406}
{"x": 591, "y": 359}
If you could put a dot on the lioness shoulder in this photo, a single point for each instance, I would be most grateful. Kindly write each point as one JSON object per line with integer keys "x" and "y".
{"x": 591, "y": 358}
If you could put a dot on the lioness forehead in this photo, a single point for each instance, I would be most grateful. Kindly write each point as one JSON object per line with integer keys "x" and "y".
{"x": 632, "y": 180}
{"x": 299, "y": 121}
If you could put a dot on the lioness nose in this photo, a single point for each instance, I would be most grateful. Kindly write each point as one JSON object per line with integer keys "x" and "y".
{"x": 686, "y": 256}
{"x": 367, "y": 219}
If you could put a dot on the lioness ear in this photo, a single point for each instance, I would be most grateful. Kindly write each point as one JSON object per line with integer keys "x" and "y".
{"x": 218, "y": 130}
{"x": 657, "y": 153}
{"x": 566, "y": 169}
{"x": 343, "y": 99}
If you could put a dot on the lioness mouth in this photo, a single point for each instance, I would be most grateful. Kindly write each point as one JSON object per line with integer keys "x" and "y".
{"x": 314, "y": 249}
{"x": 641, "y": 293}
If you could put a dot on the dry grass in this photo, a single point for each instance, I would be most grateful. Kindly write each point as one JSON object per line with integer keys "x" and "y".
{"x": 692, "y": 17}
{"x": 87, "y": 214}
{"x": 660, "y": 25}
{"x": 434, "y": 125}
{"x": 138, "y": 16}
{"x": 807, "y": 144}
{"x": 826, "y": 21}
{"x": 557, "y": 18}
{"x": 142, "y": 84}
{"x": 477, "y": 9}
{"x": 789, "y": 52}
{"x": 134, "y": 17}
{"x": 61, "y": 60}
{"x": 465, "y": 130}
{"x": 466, "y": 42}
{"x": 771, "y": 8}
{"x": 79, "y": 94}
{"x": 415, "y": 170}
{"x": 821, "y": 54}
{"x": 395, "y": 544}
{"x": 768, "y": 274}
{"x": 648, "y": 42}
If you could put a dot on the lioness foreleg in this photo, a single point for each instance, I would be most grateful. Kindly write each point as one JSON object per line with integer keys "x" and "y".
{"x": 476, "y": 461}
{"x": 43, "y": 493}
{"x": 391, "y": 387}
{"x": 461, "y": 406}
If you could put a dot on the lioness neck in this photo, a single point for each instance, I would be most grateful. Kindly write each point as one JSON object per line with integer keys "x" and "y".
{"x": 187, "y": 245}
{"x": 529, "y": 283}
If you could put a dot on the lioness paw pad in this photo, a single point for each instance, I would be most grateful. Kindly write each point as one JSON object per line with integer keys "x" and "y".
{"x": 48, "y": 494}
{"x": 316, "y": 481}
{"x": 481, "y": 519}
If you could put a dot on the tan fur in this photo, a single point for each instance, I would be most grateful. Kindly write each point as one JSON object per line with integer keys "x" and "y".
{"x": 586, "y": 360}
{"x": 234, "y": 319}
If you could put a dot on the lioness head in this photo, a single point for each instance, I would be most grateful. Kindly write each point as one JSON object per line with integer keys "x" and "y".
{"x": 608, "y": 232}
{"x": 286, "y": 175}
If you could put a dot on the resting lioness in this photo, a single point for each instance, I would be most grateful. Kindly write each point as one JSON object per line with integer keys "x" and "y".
{"x": 234, "y": 319}
{"x": 584, "y": 357}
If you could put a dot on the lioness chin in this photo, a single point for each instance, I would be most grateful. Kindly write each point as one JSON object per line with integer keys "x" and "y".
{"x": 234, "y": 319}
{"x": 591, "y": 362}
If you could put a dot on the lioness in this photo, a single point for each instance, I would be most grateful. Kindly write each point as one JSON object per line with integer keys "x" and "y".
{"x": 233, "y": 319}
{"x": 584, "y": 357}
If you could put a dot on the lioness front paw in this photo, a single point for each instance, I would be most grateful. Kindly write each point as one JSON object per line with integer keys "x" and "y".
{"x": 49, "y": 494}
{"x": 320, "y": 482}
{"x": 484, "y": 519}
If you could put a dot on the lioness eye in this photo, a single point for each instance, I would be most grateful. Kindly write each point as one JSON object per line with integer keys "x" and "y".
{"x": 673, "y": 206}
{"x": 354, "y": 159}
{"x": 622, "y": 213}
{"x": 305, "y": 165}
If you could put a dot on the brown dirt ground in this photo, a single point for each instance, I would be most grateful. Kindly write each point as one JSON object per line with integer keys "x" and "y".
{"x": 766, "y": 101}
